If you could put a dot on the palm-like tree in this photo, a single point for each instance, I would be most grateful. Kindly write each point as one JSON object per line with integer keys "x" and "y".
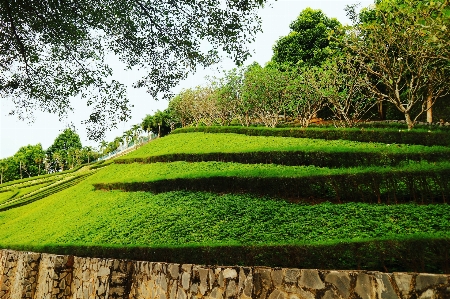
{"x": 136, "y": 129}
{"x": 127, "y": 135}
{"x": 103, "y": 145}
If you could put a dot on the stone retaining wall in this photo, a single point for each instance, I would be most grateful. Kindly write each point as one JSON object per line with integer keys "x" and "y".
{"x": 27, "y": 275}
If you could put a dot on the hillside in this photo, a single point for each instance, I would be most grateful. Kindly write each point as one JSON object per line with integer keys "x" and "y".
{"x": 389, "y": 214}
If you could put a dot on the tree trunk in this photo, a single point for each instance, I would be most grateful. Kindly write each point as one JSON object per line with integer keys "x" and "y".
{"x": 429, "y": 107}
{"x": 20, "y": 168}
{"x": 381, "y": 113}
{"x": 409, "y": 121}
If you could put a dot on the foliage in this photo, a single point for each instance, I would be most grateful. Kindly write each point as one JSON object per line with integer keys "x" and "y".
{"x": 264, "y": 91}
{"x": 418, "y": 182}
{"x": 159, "y": 123}
{"x": 403, "y": 46}
{"x": 133, "y": 223}
{"x": 384, "y": 135}
{"x": 308, "y": 42}
{"x": 195, "y": 147}
{"x": 51, "y": 51}
{"x": 58, "y": 152}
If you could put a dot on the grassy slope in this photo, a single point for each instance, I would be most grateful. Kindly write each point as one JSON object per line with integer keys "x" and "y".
{"x": 164, "y": 171}
{"x": 81, "y": 216}
{"x": 227, "y": 143}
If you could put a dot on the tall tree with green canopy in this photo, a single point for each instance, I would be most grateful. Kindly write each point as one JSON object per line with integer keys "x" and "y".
{"x": 404, "y": 45}
{"x": 51, "y": 51}
{"x": 67, "y": 140}
{"x": 308, "y": 42}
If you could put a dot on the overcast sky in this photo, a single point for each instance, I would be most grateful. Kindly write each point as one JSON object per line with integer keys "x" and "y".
{"x": 276, "y": 17}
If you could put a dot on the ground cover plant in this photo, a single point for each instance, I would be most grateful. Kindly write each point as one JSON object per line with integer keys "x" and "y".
{"x": 117, "y": 222}
{"x": 235, "y": 224}
{"x": 420, "y": 182}
{"x": 196, "y": 147}
{"x": 416, "y": 136}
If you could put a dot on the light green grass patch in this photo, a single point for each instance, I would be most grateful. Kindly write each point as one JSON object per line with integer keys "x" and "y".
{"x": 83, "y": 216}
{"x": 136, "y": 172}
{"x": 229, "y": 143}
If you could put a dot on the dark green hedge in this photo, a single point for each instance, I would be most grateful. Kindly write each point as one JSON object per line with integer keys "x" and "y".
{"x": 414, "y": 254}
{"x": 294, "y": 158}
{"x": 419, "y": 137}
{"x": 420, "y": 186}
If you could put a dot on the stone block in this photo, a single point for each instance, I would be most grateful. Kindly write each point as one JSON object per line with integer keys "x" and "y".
{"x": 277, "y": 294}
{"x": 185, "y": 280}
{"x": 310, "y": 279}
{"x": 291, "y": 275}
{"x": 428, "y": 294}
{"x": 231, "y": 289}
{"x": 384, "y": 287}
{"x": 364, "y": 286}
{"x": 229, "y": 273}
{"x": 174, "y": 270}
{"x": 277, "y": 277}
{"x": 341, "y": 280}
{"x": 404, "y": 283}
{"x": 424, "y": 281}
{"x": 330, "y": 295}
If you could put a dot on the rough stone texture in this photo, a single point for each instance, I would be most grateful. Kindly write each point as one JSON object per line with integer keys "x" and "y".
{"x": 26, "y": 275}
{"x": 341, "y": 280}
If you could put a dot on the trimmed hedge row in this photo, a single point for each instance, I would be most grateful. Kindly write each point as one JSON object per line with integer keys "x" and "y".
{"x": 421, "y": 186}
{"x": 354, "y": 134}
{"x": 413, "y": 254}
{"x": 297, "y": 158}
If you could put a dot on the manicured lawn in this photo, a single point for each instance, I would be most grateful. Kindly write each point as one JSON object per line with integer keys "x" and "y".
{"x": 232, "y": 143}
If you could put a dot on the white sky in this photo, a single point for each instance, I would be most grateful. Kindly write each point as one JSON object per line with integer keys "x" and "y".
{"x": 276, "y": 18}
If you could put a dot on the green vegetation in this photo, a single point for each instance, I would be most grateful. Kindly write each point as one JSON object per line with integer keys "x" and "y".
{"x": 377, "y": 135}
{"x": 197, "y": 147}
{"x": 121, "y": 221}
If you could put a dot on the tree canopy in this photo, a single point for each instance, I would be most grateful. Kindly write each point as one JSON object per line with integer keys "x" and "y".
{"x": 404, "y": 46}
{"x": 51, "y": 51}
{"x": 308, "y": 41}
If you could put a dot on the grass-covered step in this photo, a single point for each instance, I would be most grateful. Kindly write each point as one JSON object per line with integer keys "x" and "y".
{"x": 419, "y": 182}
{"x": 384, "y": 135}
{"x": 200, "y": 227}
{"x": 195, "y": 147}
{"x": 20, "y": 199}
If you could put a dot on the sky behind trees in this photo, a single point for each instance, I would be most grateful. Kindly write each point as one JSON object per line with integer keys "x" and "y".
{"x": 276, "y": 17}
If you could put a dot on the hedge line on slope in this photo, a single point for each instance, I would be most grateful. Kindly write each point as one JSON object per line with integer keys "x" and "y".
{"x": 14, "y": 202}
{"x": 413, "y": 254}
{"x": 419, "y": 137}
{"x": 421, "y": 186}
{"x": 294, "y": 158}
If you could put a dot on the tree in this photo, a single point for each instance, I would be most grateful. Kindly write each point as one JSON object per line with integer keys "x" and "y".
{"x": 53, "y": 50}
{"x": 29, "y": 159}
{"x": 264, "y": 90}
{"x": 304, "y": 100}
{"x": 159, "y": 123}
{"x": 308, "y": 42}
{"x": 3, "y": 167}
{"x": 67, "y": 140}
{"x": 404, "y": 45}
{"x": 344, "y": 85}
{"x": 89, "y": 154}
{"x": 228, "y": 96}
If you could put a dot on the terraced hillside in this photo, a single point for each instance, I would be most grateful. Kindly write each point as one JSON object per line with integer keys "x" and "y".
{"x": 222, "y": 198}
